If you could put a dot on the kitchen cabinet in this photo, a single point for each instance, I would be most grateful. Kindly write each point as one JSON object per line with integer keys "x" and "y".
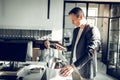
{"x": 113, "y": 66}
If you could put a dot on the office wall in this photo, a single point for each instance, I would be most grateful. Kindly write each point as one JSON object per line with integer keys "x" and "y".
{"x": 23, "y": 13}
{"x": 1, "y": 11}
{"x": 32, "y": 14}
{"x": 56, "y": 18}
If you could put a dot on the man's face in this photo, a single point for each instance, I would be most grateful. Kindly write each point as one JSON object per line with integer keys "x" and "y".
{"x": 75, "y": 20}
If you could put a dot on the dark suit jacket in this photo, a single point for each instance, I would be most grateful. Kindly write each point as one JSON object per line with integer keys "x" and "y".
{"x": 86, "y": 51}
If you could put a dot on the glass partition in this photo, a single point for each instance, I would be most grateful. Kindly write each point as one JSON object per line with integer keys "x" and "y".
{"x": 113, "y": 66}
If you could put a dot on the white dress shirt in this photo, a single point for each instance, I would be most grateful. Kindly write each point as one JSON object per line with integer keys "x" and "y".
{"x": 77, "y": 39}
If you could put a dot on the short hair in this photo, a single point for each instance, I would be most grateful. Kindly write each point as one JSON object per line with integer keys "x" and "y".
{"x": 77, "y": 11}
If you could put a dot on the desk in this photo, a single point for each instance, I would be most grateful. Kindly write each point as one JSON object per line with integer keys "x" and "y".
{"x": 12, "y": 75}
{"x": 28, "y": 74}
{"x": 37, "y": 75}
{"x": 42, "y": 75}
{"x": 33, "y": 76}
{"x": 7, "y": 75}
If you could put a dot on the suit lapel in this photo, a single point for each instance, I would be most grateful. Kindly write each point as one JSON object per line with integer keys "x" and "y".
{"x": 75, "y": 36}
{"x": 83, "y": 33}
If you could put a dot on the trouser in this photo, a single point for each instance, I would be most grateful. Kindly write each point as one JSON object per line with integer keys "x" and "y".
{"x": 76, "y": 75}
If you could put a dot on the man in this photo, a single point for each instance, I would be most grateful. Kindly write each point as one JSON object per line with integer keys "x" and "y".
{"x": 83, "y": 47}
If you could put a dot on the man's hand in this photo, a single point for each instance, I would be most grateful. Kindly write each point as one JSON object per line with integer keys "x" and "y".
{"x": 47, "y": 44}
{"x": 67, "y": 70}
{"x": 59, "y": 46}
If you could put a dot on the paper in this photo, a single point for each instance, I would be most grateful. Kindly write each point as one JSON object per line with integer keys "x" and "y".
{"x": 54, "y": 74}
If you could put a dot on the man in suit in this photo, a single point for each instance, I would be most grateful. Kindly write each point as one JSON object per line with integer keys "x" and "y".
{"x": 83, "y": 47}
